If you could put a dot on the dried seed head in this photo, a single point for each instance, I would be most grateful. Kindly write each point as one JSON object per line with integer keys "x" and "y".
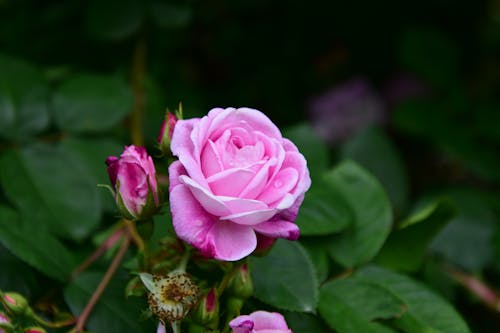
{"x": 170, "y": 296}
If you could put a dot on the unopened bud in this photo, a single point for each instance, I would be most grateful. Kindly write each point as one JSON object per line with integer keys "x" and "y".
{"x": 5, "y": 323}
{"x": 170, "y": 296}
{"x": 16, "y": 303}
{"x": 207, "y": 311}
{"x": 241, "y": 285}
{"x": 35, "y": 330}
{"x": 167, "y": 130}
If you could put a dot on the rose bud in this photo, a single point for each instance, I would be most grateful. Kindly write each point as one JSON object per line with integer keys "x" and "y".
{"x": 260, "y": 321}
{"x": 166, "y": 132}
{"x": 241, "y": 285}
{"x": 5, "y": 323}
{"x": 236, "y": 178}
{"x": 16, "y": 303}
{"x": 170, "y": 296}
{"x": 133, "y": 177}
{"x": 207, "y": 311}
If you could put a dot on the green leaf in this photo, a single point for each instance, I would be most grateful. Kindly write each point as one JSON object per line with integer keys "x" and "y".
{"x": 468, "y": 240}
{"x": 34, "y": 245}
{"x": 48, "y": 188}
{"x": 91, "y": 103}
{"x": 90, "y": 155}
{"x": 113, "y": 313}
{"x": 317, "y": 249}
{"x": 371, "y": 210}
{"x": 324, "y": 211}
{"x": 352, "y": 305}
{"x": 170, "y": 16}
{"x": 23, "y": 99}
{"x": 16, "y": 275}
{"x": 427, "y": 312}
{"x": 114, "y": 19}
{"x": 278, "y": 282}
{"x": 305, "y": 323}
{"x": 311, "y": 146}
{"x": 405, "y": 248}
{"x": 372, "y": 149}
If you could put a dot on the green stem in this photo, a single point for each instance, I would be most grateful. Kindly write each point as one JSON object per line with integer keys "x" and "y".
{"x": 227, "y": 278}
{"x": 184, "y": 260}
{"x": 176, "y": 326}
{"x": 57, "y": 324}
{"x": 137, "y": 83}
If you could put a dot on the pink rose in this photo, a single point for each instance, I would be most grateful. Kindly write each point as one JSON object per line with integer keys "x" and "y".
{"x": 133, "y": 177}
{"x": 260, "y": 322}
{"x": 236, "y": 176}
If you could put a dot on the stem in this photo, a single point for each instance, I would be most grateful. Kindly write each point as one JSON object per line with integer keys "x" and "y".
{"x": 477, "y": 287}
{"x": 103, "y": 284}
{"x": 138, "y": 73}
{"x": 176, "y": 326}
{"x": 227, "y": 278}
{"x": 184, "y": 260}
{"x": 57, "y": 324}
{"x": 135, "y": 235}
{"x": 107, "y": 244}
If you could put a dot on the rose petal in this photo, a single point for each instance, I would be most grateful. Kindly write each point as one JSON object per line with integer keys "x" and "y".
{"x": 232, "y": 241}
{"x": 279, "y": 186}
{"x": 259, "y": 181}
{"x": 296, "y": 161}
{"x": 183, "y": 147}
{"x": 251, "y": 218}
{"x": 240, "y": 205}
{"x": 133, "y": 186}
{"x": 267, "y": 320}
{"x": 230, "y": 182}
{"x": 242, "y": 324}
{"x": 211, "y": 162}
{"x": 175, "y": 170}
{"x": 191, "y": 222}
{"x": 210, "y": 202}
{"x": 278, "y": 229}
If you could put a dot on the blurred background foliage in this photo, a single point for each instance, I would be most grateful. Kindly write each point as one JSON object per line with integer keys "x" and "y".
{"x": 409, "y": 90}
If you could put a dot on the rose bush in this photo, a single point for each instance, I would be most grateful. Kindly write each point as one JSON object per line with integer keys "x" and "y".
{"x": 260, "y": 322}
{"x": 237, "y": 182}
{"x": 133, "y": 177}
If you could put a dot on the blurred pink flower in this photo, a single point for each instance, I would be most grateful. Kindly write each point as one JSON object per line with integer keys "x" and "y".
{"x": 344, "y": 109}
{"x": 260, "y": 322}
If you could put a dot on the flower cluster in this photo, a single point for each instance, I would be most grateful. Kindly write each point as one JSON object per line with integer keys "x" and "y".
{"x": 236, "y": 186}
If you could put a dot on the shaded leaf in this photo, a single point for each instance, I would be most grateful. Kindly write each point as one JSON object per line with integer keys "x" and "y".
{"x": 405, "y": 248}
{"x": 90, "y": 103}
{"x": 372, "y": 149}
{"x": 23, "y": 99}
{"x": 371, "y": 210}
{"x": 305, "y": 323}
{"x": 113, "y": 313}
{"x": 426, "y": 311}
{"x": 45, "y": 184}
{"x": 352, "y": 305}
{"x": 295, "y": 289}
{"x": 168, "y": 15}
{"x": 34, "y": 245}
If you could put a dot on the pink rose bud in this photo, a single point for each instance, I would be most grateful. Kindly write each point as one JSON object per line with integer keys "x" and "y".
{"x": 133, "y": 177}
{"x": 236, "y": 177}
{"x": 167, "y": 130}
{"x": 241, "y": 285}
{"x": 206, "y": 312}
{"x": 16, "y": 303}
{"x": 260, "y": 321}
{"x": 5, "y": 323}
